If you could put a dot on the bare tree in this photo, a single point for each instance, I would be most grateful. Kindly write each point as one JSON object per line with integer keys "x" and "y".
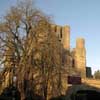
{"x": 30, "y": 51}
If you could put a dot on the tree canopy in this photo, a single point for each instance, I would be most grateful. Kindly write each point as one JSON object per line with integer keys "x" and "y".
{"x": 30, "y": 50}
{"x": 97, "y": 74}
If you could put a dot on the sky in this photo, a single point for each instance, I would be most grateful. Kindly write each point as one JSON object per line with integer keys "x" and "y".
{"x": 83, "y": 17}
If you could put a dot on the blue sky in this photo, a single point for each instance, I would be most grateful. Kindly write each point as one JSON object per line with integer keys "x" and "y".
{"x": 83, "y": 16}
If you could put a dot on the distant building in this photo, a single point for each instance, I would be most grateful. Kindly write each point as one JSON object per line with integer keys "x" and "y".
{"x": 88, "y": 72}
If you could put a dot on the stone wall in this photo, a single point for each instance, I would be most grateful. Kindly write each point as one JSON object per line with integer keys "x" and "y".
{"x": 63, "y": 33}
{"x": 76, "y": 58}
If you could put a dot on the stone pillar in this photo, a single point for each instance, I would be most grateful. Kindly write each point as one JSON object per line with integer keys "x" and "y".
{"x": 66, "y": 37}
{"x": 59, "y": 32}
{"x": 80, "y": 56}
{"x": 53, "y": 27}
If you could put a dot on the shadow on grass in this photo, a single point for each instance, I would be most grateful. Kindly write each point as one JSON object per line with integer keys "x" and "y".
{"x": 80, "y": 92}
{"x": 74, "y": 92}
{"x": 12, "y": 93}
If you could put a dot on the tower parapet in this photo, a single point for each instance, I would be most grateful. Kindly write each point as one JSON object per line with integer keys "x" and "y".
{"x": 80, "y": 43}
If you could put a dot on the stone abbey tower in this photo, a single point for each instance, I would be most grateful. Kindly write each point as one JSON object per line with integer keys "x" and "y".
{"x": 74, "y": 58}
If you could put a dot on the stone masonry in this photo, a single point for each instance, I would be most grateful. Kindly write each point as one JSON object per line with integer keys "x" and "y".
{"x": 75, "y": 58}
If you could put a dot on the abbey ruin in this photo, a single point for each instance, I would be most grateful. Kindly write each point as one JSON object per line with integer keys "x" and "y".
{"x": 75, "y": 58}
{"x": 73, "y": 63}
